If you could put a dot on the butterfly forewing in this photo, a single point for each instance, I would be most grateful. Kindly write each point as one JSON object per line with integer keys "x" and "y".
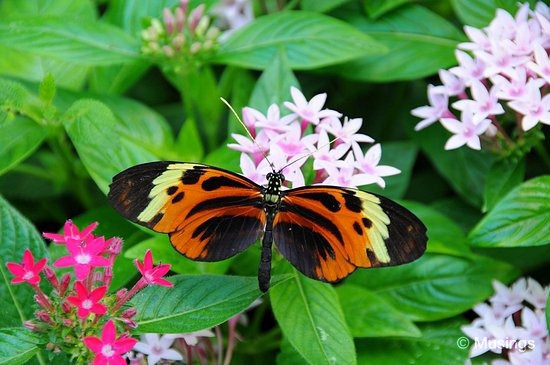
{"x": 210, "y": 214}
{"x": 326, "y": 232}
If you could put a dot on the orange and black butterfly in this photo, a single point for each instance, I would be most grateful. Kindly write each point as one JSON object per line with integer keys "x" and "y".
{"x": 211, "y": 214}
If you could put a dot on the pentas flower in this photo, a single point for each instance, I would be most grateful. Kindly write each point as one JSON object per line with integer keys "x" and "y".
{"x": 502, "y": 75}
{"x": 70, "y": 231}
{"x": 511, "y": 326}
{"x": 76, "y": 311}
{"x": 284, "y": 143}
{"x": 83, "y": 256}
{"x": 109, "y": 349}
{"x": 88, "y": 302}
{"x": 369, "y": 164}
{"x": 157, "y": 348}
{"x": 28, "y": 271}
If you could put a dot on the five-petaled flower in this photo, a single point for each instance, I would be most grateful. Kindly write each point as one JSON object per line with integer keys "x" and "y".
{"x": 70, "y": 231}
{"x": 88, "y": 302}
{"x": 83, "y": 256}
{"x": 28, "y": 271}
{"x": 153, "y": 274}
{"x": 109, "y": 349}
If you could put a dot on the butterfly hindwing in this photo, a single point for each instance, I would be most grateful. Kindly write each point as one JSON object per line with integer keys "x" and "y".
{"x": 326, "y": 232}
{"x": 210, "y": 214}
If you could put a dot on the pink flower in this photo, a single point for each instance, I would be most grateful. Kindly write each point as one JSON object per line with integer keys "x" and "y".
{"x": 484, "y": 102}
{"x": 369, "y": 164}
{"x": 541, "y": 66}
{"x": 83, "y": 255}
{"x": 323, "y": 154}
{"x": 438, "y": 108}
{"x": 109, "y": 349}
{"x": 292, "y": 143}
{"x": 534, "y": 107}
{"x": 157, "y": 347}
{"x": 272, "y": 123}
{"x": 88, "y": 302}
{"x": 344, "y": 175}
{"x": 466, "y": 132}
{"x": 246, "y": 145}
{"x": 153, "y": 274}
{"x": 512, "y": 87}
{"x": 28, "y": 271}
{"x": 453, "y": 85}
{"x": 310, "y": 111}
{"x": 347, "y": 132}
{"x": 251, "y": 171}
{"x": 289, "y": 167}
{"x": 70, "y": 231}
{"x": 500, "y": 59}
{"x": 468, "y": 69}
{"x": 479, "y": 40}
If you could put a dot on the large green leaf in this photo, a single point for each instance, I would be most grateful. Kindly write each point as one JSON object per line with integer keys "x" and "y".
{"x": 17, "y": 346}
{"x": 321, "y": 6}
{"x": 310, "y": 40}
{"x": 503, "y": 176}
{"x": 104, "y": 152}
{"x": 194, "y": 303}
{"x": 377, "y": 8}
{"x": 369, "y": 315}
{"x": 464, "y": 169}
{"x": 479, "y": 13}
{"x": 273, "y": 86}
{"x": 437, "y": 345}
{"x": 435, "y": 286}
{"x": 19, "y": 138}
{"x": 76, "y": 9}
{"x": 16, "y": 235}
{"x": 76, "y": 40}
{"x": 520, "y": 219}
{"x": 312, "y": 320}
{"x": 419, "y": 41}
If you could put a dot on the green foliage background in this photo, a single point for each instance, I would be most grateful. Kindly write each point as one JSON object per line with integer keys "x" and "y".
{"x": 79, "y": 103}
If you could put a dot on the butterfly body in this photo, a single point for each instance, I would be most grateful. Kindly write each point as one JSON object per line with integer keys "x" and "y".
{"x": 211, "y": 214}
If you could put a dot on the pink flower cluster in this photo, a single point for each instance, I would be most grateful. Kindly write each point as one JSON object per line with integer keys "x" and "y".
{"x": 72, "y": 316}
{"x": 502, "y": 75}
{"x": 512, "y": 324}
{"x": 288, "y": 140}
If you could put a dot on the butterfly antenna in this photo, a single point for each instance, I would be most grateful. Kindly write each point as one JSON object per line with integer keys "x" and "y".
{"x": 309, "y": 154}
{"x": 248, "y": 132}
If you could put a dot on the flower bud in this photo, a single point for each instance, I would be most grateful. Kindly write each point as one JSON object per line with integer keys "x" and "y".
{"x": 66, "y": 307}
{"x": 129, "y": 313}
{"x": 179, "y": 19}
{"x": 168, "y": 20}
{"x": 52, "y": 278}
{"x": 168, "y": 51}
{"x": 195, "y": 17}
{"x": 32, "y": 325}
{"x": 65, "y": 281}
{"x": 67, "y": 322}
{"x": 121, "y": 294}
{"x": 44, "y": 317}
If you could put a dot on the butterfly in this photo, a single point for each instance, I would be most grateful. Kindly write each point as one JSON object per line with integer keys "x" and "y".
{"x": 211, "y": 214}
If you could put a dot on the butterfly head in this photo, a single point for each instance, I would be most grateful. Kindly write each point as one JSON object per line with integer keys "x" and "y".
{"x": 272, "y": 193}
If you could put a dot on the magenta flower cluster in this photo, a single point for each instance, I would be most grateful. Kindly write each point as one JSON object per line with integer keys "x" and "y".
{"x": 502, "y": 75}
{"x": 308, "y": 130}
{"x": 76, "y": 310}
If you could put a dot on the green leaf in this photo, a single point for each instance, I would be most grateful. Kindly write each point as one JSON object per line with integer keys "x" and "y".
{"x": 116, "y": 79}
{"x": 46, "y": 89}
{"x": 14, "y": 97}
{"x": 273, "y": 86}
{"x": 548, "y": 311}
{"x": 369, "y": 315}
{"x": 16, "y": 235}
{"x": 464, "y": 169}
{"x": 312, "y": 320}
{"x": 377, "y": 8}
{"x": 435, "y": 286}
{"x": 401, "y": 155}
{"x": 194, "y": 303}
{"x": 70, "y": 8}
{"x": 321, "y": 6}
{"x": 309, "y": 40}
{"x": 224, "y": 157}
{"x": 520, "y": 219}
{"x": 163, "y": 251}
{"x": 17, "y": 345}
{"x": 19, "y": 138}
{"x": 477, "y": 13}
{"x": 288, "y": 355}
{"x": 437, "y": 345}
{"x": 93, "y": 130}
{"x": 188, "y": 144}
{"x": 76, "y": 40}
{"x": 503, "y": 176}
{"x": 419, "y": 42}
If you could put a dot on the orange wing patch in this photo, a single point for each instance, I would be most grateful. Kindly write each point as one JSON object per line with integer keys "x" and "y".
{"x": 326, "y": 232}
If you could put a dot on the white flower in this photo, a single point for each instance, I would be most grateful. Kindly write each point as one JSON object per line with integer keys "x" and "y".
{"x": 437, "y": 109}
{"x": 310, "y": 111}
{"x": 466, "y": 132}
{"x": 369, "y": 164}
{"x": 157, "y": 348}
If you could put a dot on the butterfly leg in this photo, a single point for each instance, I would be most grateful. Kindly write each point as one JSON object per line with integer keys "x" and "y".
{"x": 264, "y": 271}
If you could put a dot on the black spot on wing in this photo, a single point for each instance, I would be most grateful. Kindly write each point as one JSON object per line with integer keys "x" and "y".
{"x": 357, "y": 228}
{"x": 407, "y": 234}
{"x": 129, "y": 190}
{"x": 216, "y": 182}
{"x": 328, "y": 200}
{"x": 302, "y": 247}
{"x": 179, "y": 197}
{"x": 171, "y": 190}
{"x": 367, "y": 222}
{"x": 226, "y": 236}
{"x": 352, "y": 202}
{"x": 192, "y": 176}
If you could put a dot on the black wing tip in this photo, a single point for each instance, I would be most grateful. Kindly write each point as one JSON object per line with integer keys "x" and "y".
{"x": 406, "y": 231}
